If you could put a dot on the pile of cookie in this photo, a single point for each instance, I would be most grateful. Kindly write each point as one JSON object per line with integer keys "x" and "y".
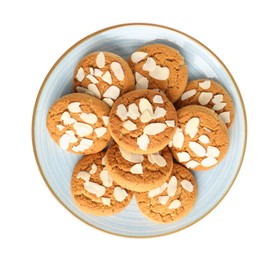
{"x": 122, "y": 117}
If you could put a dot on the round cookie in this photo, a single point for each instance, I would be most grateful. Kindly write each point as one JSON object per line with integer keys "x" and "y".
{"x": 94, "y": 191}
{"x": 211, "y": 94}
{"x": 104, "y": 75}
{"x": 171, "y": 201}
{"x": 138, "y": 172}
{"x": 78, "y": 123}
{"x": 143, "y": 121}
{"x": 158, "y": 66}
{"x": 201, "y": 140}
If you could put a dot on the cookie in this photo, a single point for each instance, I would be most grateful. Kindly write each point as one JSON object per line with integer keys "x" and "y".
{"x": 143, "y": 121}
{"x": 158, "y": 66}
{"x": 104, "y": 75}
{"x": 78, "y": 123}
{"x": 138, "y": 172}
{"x": 211, "y": 94}
{"x": 172, "y": 200}
{"x": 201, "y": 140}
{"x": 94, "y": 191}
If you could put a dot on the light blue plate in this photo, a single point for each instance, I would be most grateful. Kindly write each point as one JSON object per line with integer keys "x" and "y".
{"x": 56, "y": 165}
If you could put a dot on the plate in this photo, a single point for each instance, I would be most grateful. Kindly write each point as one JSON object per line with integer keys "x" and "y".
{"x": 57, "y": 165}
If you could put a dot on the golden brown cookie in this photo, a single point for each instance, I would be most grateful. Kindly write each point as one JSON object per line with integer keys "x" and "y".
{"x": 138, "y": 172}
{"x": 201, "y": 140}
{"x": 78, "y": 123}
{"x": 158, "y": 66}
{"x": 143, "y": 121}
{"x": 104, "y": 75}
{"x": 93, "y": 189}
{"x": 211, "y": 94}
{"x": 171, "y": 201}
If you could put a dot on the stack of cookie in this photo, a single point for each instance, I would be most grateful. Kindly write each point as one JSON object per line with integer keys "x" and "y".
{"x": 122, "y": 116}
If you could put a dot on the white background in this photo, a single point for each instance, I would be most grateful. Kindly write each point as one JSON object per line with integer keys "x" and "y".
{"x": 34, "y": 34}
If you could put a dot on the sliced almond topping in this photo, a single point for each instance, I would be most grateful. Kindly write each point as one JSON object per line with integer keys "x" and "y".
{"x": 160, "y": 73}
{"x": 95, "y": 188}
{"x": 112, "y": 92}
{"x": 108, "y": 101}
{"x": 143, "y": 142}
{"x": 163, "y": 187}
{"x": 129, "y": 125}
{"x": 207, "y": 129}
{"x": 117, "y": 70}
{"x": 82, "y": 129}
{"x": 212, "y": 151}
{"x": 105, "y": 120}
{"x": 121, "y": 112}
{"x": 157, "y": 159}
{"x": 192, "y": 126}
{"x": 187, "y": 185}
{"x": 183, "y": 156}
{"x": 159, "y": 112}
{"x": 158, "y": 99}
{"x": 188, "y": 94}
{"x": 204, "y": 139}
{"x": 205, "y": 97}
{"x": 205, "y": 84}
{"x": 131, "y": 157}
{"x": 97, "y": 73}
{"x": 89, "y": 118}
{"x": 209, "y": 161}
{"x": 94, "y": 91}
{"x": 219, "y": 106}
{"x": 192, "y": 164}
{"x": 170, "y": 144}
{"x": 82, "y": 90}
{"x": 106, "y": 178}
{"x": 141, "y": 82}
{"x": 67, "y": 120}
{"x": 60, "y": 127}
{"x": 91, "y": 71}
{"x": 92, "y": 79}
{"x": 178, "y": 138}
{"x": 64, "y": 141}
{"x": 217, "y": 98}
{"x": 163, "y": 199}
{"x": 154, "y": 192}
{"x": 138, "y": 56}
{"x": 154, "y": 128}
{"x": 120, "y": 194}
{"x": 137, "y": 169}
{"x": 106, "y": 201}
{"x": 175, "y": 204}
{"x": 133, "y": 111}
{"x": 172, "y": 186}
{"x": 225, "y": 116}
{"x": 80, "y": 74}
{"x": 100, "y": 131}
{"x": 74, "y": 107}
{"x": 107, "y": 77}
{"x": 84, "y": 144}
{"x": 100, "y": 60}
{"x": 197, "y": 148}
{"x": 149, "y": 65}
{"x": 72, "y": 137}
{"x": 145, "y": 105}
{"x": 170, "y": 123}
{"x": 93, "y": 169}
{"x": 83, "y": 175}
{"x": 146, "y": 117}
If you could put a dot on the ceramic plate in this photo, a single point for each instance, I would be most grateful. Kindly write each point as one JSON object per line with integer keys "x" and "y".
{"x": 56, "y": 165}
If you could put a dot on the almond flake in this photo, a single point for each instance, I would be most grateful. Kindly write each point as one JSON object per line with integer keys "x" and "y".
{"x": 112, "y": 92}
{"x": 183, "y": 157}
{"x": 83, "y": 175}
{"x": 67, "y": 120}
{"x": 131, "y": 157}
{"x": 160, "y": 73}
{"x": 89, "y": 118}
{"x": 133, "y": 111}
{"x": 204, "y": 139}
{"x": 149, "y": 65}
{"x": 207, "y": 129}
{"x": 95, "y": 188}
{"x": 209, "y": 161}
{"x": 74, "y": 107}
{"x": 159, "y": 112}
{"x": 192, "y": 126}
{"x": 97, "y": 73}
{"x": 100, "y": 131}
{"x": 82, "y": 129}
{"x": 72, "y": 137}
{"x": 217, "y": 98}
{"x": 188, "y": 94}
{"x": 94, "y": 91}
{"x": 84, "y": 144}
{"x": 121, "y": 112}
{"x": 120, "y": 194}
{"x": 154, "y": 128}
{"x": 93, "y": 169}
{"x": 92, "y": 79}
{"x": 178, "y": 138}
{"x": 137, "y": 169}
{"x": 91, "y": 71}
{"x": 154, "y": 192}
{"x": 170, "y": 144}
{"x": 108, "y": 101}
{"x": 106, "y": 178}
{"x": 205, "y": 84}
{"x": 172, "y": 186}
{"x": 197, "y": 148}
{"x": 143, "y": 142}
{"x": 175, "y": 204}
{"x": 205, "y": 97}
{"x": 157, "y": 159}
{"x": 192, "y": 164}
{"x": 129, "y": 125}
{"x": 145, "y": 105}
{"x": 170, "y": 123}
{"x": 64, "y": 141}
{"x": 138, "y": 76}
{"x": 142, "y": 82}
{"x": 80, "y": 74}
{"x": 219, "y": 106}
{"x": 212, "y": 151}
{"x": 107, "y": 77}
{"x": 105, "y": 120}
{"x": 138, "y": 56}
{"x": 158, "y": 99}
{"x": 187, "y": 185}
{"x": 225, "y": 116}
{"x": 100, "y": 60}
{"x": 106, "y": 201}
{"x": 117, "y": 70}
{"x": 81, "y": 89}
{"x": 146, "y": 117}
{"x": 163, "y": 199}
{"x": 163, "y": 187}
{"x": 60, "y": 127}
